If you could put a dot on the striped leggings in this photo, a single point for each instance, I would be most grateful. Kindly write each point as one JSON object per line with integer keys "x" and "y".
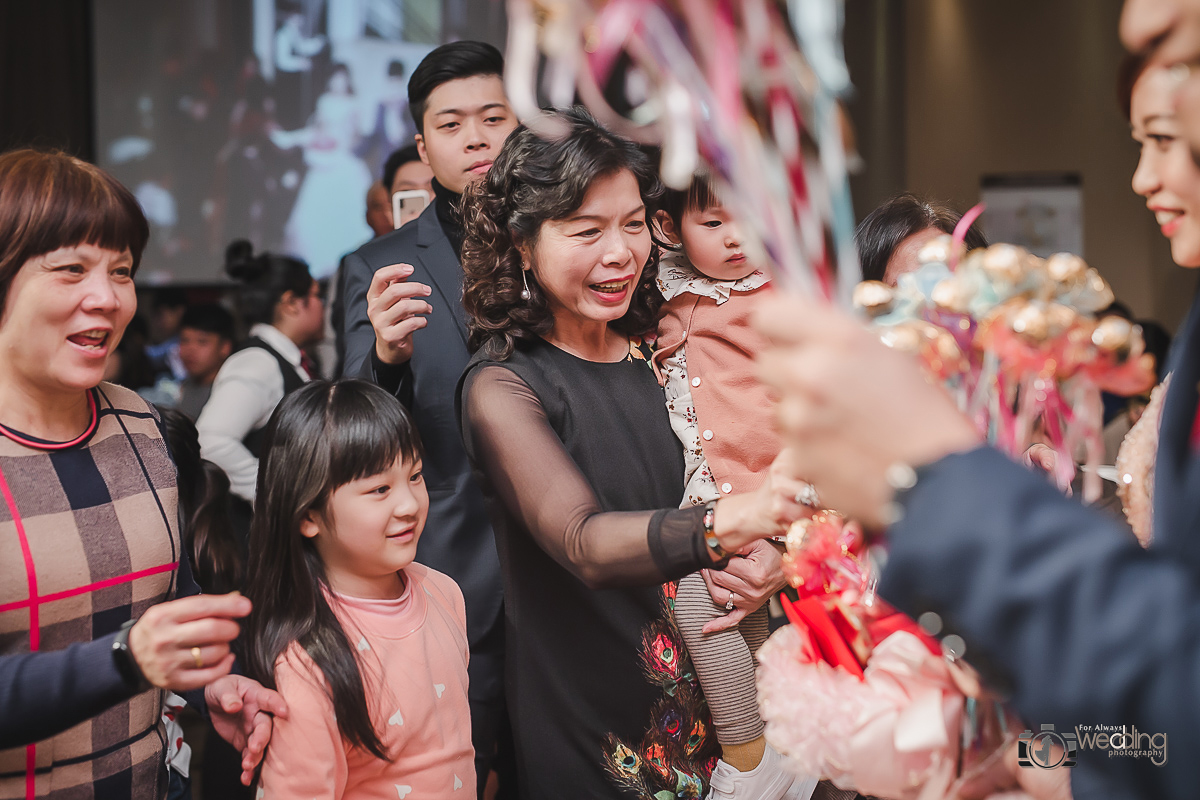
{"x": 724, "y": 661}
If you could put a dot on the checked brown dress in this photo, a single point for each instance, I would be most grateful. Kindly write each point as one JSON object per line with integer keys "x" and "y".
{"x": 89, "y": 539}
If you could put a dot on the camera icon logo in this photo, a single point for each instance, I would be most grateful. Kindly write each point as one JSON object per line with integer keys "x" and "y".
{"x": 1047, "y": 748}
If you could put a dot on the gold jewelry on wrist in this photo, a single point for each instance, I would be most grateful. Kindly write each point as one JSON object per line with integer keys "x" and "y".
{"x": 710, "y": 535}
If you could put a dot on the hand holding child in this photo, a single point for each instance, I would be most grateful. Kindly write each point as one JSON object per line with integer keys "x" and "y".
{"x": 749, "y": 580}
{"x": 243, "y": 713}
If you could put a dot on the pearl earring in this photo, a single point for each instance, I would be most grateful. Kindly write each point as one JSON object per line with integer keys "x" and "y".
{"x": 525, "y": 295}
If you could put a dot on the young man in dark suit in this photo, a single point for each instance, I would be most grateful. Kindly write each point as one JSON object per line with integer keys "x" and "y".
{"x": 405, "y": 329}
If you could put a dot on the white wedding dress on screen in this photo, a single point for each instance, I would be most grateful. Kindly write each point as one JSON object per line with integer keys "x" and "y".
{"x": 328, "y": 218}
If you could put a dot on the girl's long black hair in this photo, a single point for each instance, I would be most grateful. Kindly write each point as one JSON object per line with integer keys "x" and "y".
{"x": 218, "y": 553}
{"x": 320, "y": 437}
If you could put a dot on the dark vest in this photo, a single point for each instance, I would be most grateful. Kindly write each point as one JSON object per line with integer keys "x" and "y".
{"x": 292, "y": 380}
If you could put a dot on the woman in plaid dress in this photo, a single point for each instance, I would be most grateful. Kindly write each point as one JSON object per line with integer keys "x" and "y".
{"x": 94, "y": 621}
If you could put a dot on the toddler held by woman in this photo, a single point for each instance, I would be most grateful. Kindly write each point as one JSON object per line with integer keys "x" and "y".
{"x": 722, "y": 415}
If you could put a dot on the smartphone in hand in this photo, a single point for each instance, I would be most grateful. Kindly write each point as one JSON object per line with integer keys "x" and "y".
{"x": 407, "y": 205}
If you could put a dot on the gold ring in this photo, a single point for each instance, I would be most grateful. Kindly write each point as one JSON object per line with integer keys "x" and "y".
{"x": 196, "y": 657}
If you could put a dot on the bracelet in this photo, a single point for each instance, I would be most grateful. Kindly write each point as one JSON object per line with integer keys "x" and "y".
{"x": 124, "y": 661}
{"x": 710, "y": 534}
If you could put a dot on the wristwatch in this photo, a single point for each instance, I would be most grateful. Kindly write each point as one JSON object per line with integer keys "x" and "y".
{"x": 124, "y": 661}
{"x": 710, "y": 535}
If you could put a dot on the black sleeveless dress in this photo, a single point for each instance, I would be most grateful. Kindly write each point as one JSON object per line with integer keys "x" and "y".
{"x": 583, "y": 475}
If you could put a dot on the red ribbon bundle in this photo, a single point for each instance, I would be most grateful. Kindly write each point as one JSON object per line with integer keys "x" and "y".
{"x": 836, "y": 611}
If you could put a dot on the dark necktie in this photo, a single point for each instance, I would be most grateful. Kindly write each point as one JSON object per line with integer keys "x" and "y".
{"x": 308, "y": 365}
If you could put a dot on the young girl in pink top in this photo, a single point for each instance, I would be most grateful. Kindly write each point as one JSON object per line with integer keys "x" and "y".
{"x": 368, "y": 648}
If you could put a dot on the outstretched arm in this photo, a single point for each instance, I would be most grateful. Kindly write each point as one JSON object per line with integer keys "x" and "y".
{"x": 1058, "y": 602}
{"x": 523, "y": 461}
{"x": 42, "y": 694}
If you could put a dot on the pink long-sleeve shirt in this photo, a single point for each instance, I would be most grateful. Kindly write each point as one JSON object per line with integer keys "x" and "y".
{"x": 414, "y": 656}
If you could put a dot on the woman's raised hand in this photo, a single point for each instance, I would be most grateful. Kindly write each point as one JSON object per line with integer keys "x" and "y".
{"x": 769, "y": 511}
{"x": 852, "y": 410}
{"x": 184, "y": 644}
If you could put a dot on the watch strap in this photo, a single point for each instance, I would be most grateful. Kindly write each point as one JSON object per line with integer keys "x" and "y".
{"x": 124, "y": 661}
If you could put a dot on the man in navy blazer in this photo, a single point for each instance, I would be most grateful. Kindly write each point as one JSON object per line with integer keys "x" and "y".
{"x": 1055, "y": 603}
{"x": 405, "y": 329}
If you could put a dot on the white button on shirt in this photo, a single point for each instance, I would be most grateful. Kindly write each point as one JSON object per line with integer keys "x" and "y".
{"x": 695, "y": 381}
{"x": 707, "y": 436}
{"x": 726, "y": 488}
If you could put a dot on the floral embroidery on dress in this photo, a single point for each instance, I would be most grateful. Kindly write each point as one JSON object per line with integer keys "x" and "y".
{"x": 675, "y": 758}
{"x": 641, "y": 348}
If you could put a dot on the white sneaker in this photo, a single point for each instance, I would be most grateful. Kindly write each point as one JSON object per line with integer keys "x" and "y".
{"x": 770, "y": 780}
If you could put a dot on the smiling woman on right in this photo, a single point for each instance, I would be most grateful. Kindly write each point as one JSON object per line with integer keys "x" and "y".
{"x": 1056, "y": 601}
{"x": 1168, "y": 177}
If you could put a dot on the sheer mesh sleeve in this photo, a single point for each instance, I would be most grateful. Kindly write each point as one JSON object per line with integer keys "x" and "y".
{"x": 511, "y": 441}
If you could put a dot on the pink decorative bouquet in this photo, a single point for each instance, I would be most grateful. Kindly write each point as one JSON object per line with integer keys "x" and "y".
{"x": 858, "y": 693}
{"x": 1024, "y": 344}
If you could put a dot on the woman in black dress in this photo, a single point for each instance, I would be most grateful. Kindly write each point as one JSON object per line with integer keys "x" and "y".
{"x": 569, "y": 435}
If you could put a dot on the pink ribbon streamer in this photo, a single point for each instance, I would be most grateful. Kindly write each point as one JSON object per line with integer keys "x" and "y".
{"x": 960, "y": 232}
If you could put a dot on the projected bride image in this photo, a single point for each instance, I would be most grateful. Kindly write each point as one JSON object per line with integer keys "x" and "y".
{"x": 265, "y": 119}
{"x": 317, "y": 229}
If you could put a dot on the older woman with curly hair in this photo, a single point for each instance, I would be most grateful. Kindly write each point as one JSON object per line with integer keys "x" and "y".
{"x": 565, "y": 425}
